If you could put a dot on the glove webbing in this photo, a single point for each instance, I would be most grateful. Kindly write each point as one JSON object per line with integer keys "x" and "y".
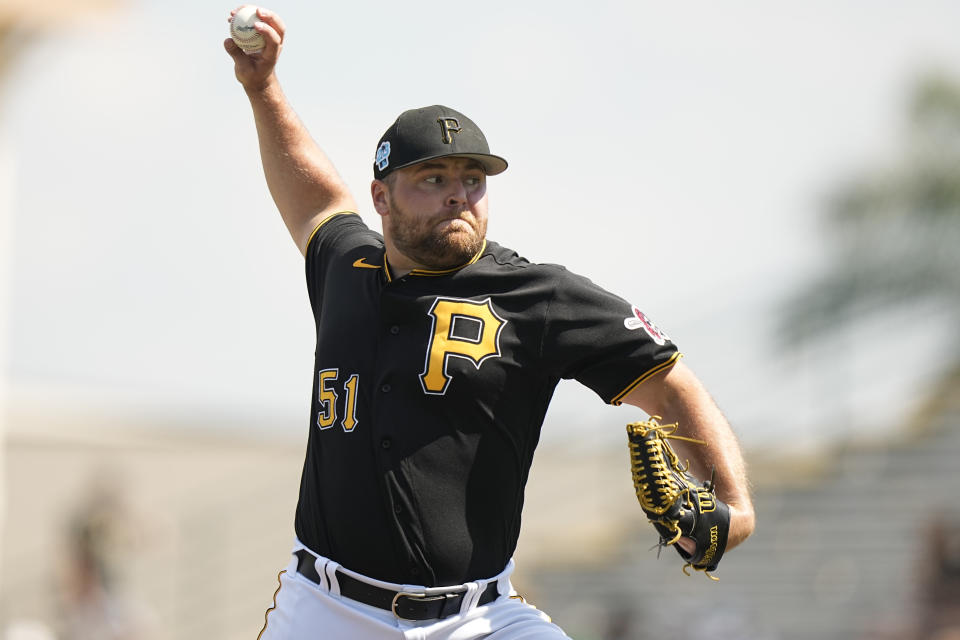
{"x": 653, "y": 463}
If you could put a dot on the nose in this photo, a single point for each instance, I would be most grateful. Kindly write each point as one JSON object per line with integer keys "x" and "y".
{"x": 457, "y": 195}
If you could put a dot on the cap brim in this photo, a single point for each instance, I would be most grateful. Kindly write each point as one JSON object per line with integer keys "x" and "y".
{"x": 492, "y": 165}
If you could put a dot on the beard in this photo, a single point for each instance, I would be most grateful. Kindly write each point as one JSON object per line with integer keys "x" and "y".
{"x": 434, "y": 242}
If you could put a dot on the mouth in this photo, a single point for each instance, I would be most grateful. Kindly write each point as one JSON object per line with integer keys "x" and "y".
{"x": 454, "y": 224}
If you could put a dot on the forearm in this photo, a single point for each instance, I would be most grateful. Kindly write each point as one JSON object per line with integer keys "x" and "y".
{"x": 719, "y": 455}
{"x": 678, "y": 397}
{"x": 303, "y": 182}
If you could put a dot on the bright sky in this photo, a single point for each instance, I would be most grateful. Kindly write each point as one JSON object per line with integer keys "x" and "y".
{"x": 676, "y": 153}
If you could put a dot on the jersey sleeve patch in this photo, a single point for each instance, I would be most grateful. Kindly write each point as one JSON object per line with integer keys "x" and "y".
{"x": 639, "y": 320}
{"x": 600, "y": 339}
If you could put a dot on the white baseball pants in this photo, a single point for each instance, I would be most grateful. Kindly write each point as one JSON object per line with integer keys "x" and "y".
{"x": 304, "y": 610}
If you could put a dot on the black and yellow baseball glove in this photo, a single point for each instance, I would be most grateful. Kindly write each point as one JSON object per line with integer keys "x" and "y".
{"x": 676, "y": 502}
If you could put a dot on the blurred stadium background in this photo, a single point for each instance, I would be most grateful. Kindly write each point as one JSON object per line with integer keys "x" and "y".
{"x": 159, "y": 505}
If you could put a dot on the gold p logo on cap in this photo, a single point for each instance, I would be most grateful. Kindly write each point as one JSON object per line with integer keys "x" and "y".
{"x": 448, "y": 126}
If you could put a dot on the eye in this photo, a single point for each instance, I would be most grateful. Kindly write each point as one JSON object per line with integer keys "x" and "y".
{"x": 434, "y": 179}
{"x": 474, "y": 181}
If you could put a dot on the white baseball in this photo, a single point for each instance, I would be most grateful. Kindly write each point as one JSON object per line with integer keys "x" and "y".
{"x": 242, "y": 31}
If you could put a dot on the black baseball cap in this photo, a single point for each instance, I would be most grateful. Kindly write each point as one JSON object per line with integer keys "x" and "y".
{"x": 433, "y": 132}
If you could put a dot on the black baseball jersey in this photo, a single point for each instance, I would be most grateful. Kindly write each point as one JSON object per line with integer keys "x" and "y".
{"x": 429, "y": 392}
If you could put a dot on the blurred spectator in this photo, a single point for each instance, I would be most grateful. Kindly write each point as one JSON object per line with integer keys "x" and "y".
{"x": 619, "y": 623}
{"x": 940, "y": 606}
{"x": 95, "y": 606}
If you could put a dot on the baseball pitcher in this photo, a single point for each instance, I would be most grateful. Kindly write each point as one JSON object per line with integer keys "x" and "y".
{"x": 437, "y": 352}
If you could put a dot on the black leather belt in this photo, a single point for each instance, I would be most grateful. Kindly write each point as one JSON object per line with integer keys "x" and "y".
{"x": 403, "y": 604}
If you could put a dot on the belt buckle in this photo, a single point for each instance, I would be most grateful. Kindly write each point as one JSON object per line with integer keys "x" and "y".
{"x": 422, "y": 596}
{"x": 408, "y": 594}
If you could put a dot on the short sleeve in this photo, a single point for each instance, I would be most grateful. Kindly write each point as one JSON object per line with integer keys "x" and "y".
{"x": 334, "y": 237}
{"x": 601, "y": 340}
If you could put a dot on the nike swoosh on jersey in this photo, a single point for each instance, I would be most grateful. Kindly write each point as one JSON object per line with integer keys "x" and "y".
{"x": 362, "y": 264}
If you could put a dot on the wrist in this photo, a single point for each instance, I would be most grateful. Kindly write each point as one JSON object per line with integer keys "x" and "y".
{"x": 263, "y": 89}
{"x": 742, "y": 523}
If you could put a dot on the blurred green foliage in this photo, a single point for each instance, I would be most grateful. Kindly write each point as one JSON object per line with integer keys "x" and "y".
{"x": 894, "y": 228}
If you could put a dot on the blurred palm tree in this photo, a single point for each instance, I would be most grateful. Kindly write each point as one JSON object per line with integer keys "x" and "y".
{"x": 895, "y": 229}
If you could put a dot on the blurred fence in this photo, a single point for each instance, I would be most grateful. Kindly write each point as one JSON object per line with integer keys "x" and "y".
{"x": 863, "y": 542}
{"x": 180, "y": 534}
{"x": 151, "y": 533}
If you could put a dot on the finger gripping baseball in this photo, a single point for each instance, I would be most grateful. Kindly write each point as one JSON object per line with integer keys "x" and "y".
{"x": 674, "y": 501}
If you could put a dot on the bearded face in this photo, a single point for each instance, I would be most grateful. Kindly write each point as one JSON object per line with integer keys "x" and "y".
{"x": 434, "y": 213}
{"x": 440, "y": 241}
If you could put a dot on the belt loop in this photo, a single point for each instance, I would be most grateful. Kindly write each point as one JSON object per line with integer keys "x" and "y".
{"x": 319, "y": 565}
{"x": 503, "y": 580}
{"x": 503, "y": 585}
{"x": 330, "y": 570}
{"x": 471, "y": 597}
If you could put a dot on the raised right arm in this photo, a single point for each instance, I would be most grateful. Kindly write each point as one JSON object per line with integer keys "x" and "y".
{"x": 303, "y": 182}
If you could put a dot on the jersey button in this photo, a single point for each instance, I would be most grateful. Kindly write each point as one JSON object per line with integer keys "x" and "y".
{"x": 386, "y": 443}
{"x": 397, "y": 508}
{"x": 394, "y": 330}
{"x": 385, "y": 388}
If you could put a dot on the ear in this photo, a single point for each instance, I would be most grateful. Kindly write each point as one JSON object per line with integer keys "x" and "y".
{"x": 381, "y": 197}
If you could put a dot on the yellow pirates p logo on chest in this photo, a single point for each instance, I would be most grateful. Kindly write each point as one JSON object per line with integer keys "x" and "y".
{"x": 461, "y": 329}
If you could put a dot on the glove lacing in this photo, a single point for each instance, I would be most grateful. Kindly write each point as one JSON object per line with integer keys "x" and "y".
{"x": 655, "y": 485}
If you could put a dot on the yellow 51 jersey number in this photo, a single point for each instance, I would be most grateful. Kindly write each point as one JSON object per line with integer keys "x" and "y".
{"x": 328, "y": 386}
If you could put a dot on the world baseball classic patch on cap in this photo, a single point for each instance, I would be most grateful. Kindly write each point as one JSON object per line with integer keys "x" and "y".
{"x": 433, "y": 132}
{"x": 383, "y": 156}
{"x": 639, "y": 320}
